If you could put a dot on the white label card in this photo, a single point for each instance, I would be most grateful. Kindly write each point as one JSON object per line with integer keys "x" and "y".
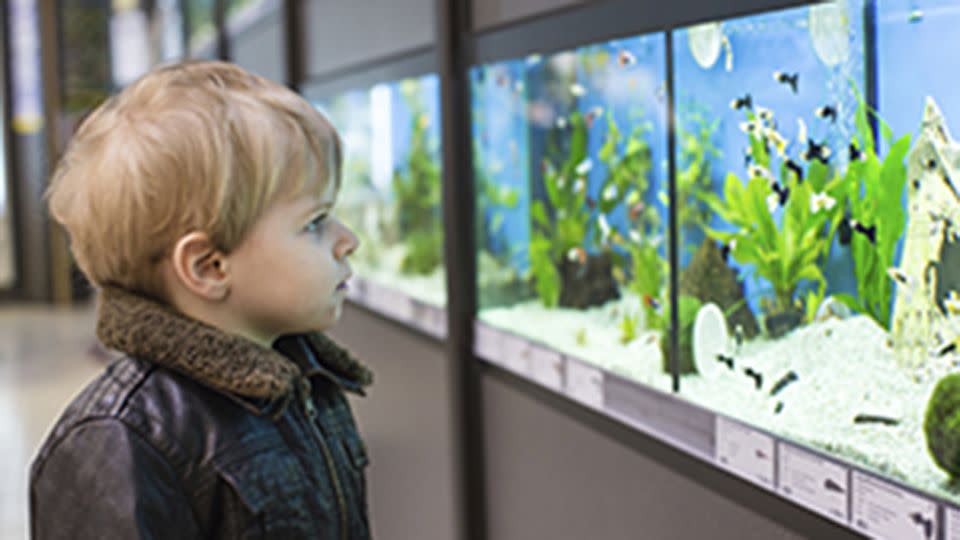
{"x": 585, "y": 383}
{"x": 516, "y": 354}
{"x": 486, "y": 342}
{"x": 952, "y": 517}
{"x": 814, "y": 482}
{"x": 547, "y": 367}
{"x": 745, "y": 451}
{"x": 882, "y": 510}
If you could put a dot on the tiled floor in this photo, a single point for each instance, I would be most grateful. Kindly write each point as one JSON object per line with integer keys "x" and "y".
{"x": 45, "y": 358}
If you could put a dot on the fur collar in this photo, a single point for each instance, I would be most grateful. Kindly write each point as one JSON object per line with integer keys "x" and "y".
{"x": 146, "y": 329}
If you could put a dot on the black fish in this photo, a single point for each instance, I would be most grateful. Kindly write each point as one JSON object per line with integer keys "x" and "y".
{"x": 923, "y": 521}
{"x": 784, "y": 382}
{"x": 725, "y": 360}
{"x": 855, "y": 153}
{"x": 725, "y": 250}
{"x": 791, "y": 80}
{"x": 779, "y": 408}
{"x": 947, "y": 349}
{"x": 875, "y": 419}
{"x": 931, "y": 164}
{"x": 916, "y": 184}
{"x": 833, "y": 486}
{"x": 845, "y": 231}
{"x": 869, "y": 232}
{"x": 757, "y": 377}
{"x": 591, "y": 204}
{"x": 816, "y": 151}
{"x": 795, "y": 168}
{"x": 745, "y": 102}
{"x": 826, "y": 112}
{"x": 783, "y": 192}
{"x": 738, "y": 334}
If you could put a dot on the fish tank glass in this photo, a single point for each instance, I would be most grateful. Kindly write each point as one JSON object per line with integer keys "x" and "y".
{"x": 201, "y": 31}
{"x": 570, "y": 168}
{"x": 817, "y": 246}
{"x": 391, "y": 190}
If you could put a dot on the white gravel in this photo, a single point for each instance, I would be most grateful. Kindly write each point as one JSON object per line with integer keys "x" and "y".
{"x": 845, "y": 368}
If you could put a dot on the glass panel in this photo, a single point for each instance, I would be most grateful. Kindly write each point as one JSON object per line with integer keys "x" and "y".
{"x": 7, "y": 254}
{"x": 201, "y": 30}
{"x": 391, "y": 189}
{"x": 570, "y": 166}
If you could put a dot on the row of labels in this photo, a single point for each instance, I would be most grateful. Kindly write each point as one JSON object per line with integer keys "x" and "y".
{"x": 396, "y": 305}
{"x": 854, "y": 498}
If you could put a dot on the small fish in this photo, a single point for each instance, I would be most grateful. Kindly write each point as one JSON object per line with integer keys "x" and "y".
{"x": 779, "y": 408}
{"x": 875, "y": 419}
{"x": 782, "y": 192}
{"x": 845, "y": 231}
{"x": 652, "y": 302}
{"x": 578, "y": 90}
{"x": 725, "y": 360}
{"x": 764, "y": 114}
{"x": 750, "y": 128}
{"x": 795, "y": 168}
{"x": 728, "y": 248}
{"x": 783, "y": 382}
{"x": 625, "y": 58}
{"x": 747, "y": 156}
{"x": 931, "y": 164}
{"x": 946, "y": 348}
{"x": 791, "y": 80}
{"x": 610, "y": 193}
{"x": 561, "y": 122}
{"x": 745, "y": 102}
{"x": 579, "y": 186}
{"x": 728, "y": 53}
{"x": 636, "y": 210}
{"x": 635, "y": 236}
{"x": 592, "y": 115}
{"x": 816, "y": 151}
{"x": 738, "y": 335}
{"x": 591, "y": 203}
{"x": 821, "y": 201}
{"x": 916, "y": 15}
{"x": 855, "y": 153}
{"x": 577, "y": 255}
{"x": 584, "y": 167}
{"x": 869, "y": 232}
{"x": 925, "y": 522}
{"x": 756, "y": 171}
{"x": 756, "y": 376}
{"x": 830, "y": 485}
{"x": 827, "y": 112}
{"x": 534, "y": 59}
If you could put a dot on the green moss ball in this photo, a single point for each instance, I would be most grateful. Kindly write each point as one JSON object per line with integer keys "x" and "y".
{"x": 941, "y": 424}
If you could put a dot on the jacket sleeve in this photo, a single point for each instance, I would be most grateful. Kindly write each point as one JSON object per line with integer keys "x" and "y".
{"x": 102, "y": 480}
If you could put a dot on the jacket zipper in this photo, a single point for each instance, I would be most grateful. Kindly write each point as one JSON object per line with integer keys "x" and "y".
{"x": 311, "y": 412}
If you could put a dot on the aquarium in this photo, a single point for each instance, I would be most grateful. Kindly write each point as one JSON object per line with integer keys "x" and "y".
{"x": 570, "y": 162}
{"x": 391, "y": 189}
{"x": 818, "y": 243}
{"x": 201, "y": 31}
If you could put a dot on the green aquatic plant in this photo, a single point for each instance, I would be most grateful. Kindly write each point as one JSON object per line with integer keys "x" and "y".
{"x": 874, "y": 192}
{"x": 694, "y": 179}
{"x": 629, "y": 324}
{"x": 788, "y": 251}
{"x": 417, "y": 192}
{"x": 565, "y": 227}
{"x": 941, "y": 424}
{"x": 492, "y": 202}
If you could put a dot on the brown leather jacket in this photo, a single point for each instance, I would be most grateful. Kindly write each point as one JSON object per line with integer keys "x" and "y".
{"x": 199, "y": 434}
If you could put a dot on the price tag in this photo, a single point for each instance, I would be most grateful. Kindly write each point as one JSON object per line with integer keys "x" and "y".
{"x": 390, "y": 302}
{"x": 882, "y": 510}
{"x": 584, "y": 383}
{"x": 546, "y": 367}
{"x": 486, "y": 342}
{"x": 814, "y": 482}
{"x": 516, "y": 354}
{"x": 745, "y": 451}
{"x": 952, "y": 523}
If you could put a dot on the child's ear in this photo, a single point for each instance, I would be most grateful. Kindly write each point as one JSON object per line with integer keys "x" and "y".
{"x": 200, "y": 267}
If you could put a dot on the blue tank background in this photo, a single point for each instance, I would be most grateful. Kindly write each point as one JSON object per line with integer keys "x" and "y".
{"x": 760, "y": 46}
{"x": 428, "y": 95}
{"x": 917, "y": 59}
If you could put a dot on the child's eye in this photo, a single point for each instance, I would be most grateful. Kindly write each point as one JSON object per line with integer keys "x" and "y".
{"x": 316, "y": 224}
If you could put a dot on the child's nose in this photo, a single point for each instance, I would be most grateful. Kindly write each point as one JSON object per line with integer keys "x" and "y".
{"x": 348, "y": 243}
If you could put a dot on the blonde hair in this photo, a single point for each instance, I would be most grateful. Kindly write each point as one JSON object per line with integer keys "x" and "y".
{"x": 197, "y": 146}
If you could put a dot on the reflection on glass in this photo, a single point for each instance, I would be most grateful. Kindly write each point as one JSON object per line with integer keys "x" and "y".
{"x": 570, "y": 167}
{"x": 391, "y": 184}
{"x": 201, "y": 29}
